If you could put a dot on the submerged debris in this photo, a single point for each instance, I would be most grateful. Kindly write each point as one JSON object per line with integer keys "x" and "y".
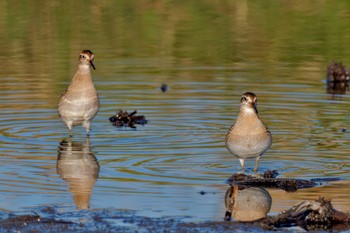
{"x": 337, "y": 78}
{"x": 123, "y": 118}
{"x": 269, "y": 180}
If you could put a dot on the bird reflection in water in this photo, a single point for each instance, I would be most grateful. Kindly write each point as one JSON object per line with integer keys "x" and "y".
{"x": 247, "y": 204}
{"x": 77, "y": 165}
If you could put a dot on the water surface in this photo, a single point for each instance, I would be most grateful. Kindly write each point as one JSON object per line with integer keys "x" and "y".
{"x": 208, "y": 53}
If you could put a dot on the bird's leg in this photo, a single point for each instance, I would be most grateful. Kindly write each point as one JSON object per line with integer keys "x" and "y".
{"x": 87, "y": 140}
{"x": 86, "y": 125}
{"x": 242, "y": 164}
{"x": 70, "y": 127}
{"x": 256, "y": 164}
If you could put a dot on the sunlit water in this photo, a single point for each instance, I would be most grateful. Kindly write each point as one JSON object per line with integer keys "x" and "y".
{"x": 161, "y": 168}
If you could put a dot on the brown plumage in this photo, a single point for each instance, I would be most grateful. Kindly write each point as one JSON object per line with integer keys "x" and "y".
{"x": 80, "y": 103}
{"x": 248, "y": 137}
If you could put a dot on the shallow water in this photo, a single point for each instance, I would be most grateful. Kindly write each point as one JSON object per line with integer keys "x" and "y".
{"x": 161, "y": 168}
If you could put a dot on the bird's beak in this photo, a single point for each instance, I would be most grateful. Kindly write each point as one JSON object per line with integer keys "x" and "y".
{"x": 92, "y": 64}
{"x": 255, "y": 108}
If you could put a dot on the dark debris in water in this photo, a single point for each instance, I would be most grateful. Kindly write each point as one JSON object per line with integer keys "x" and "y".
{"x": 270, "y": 174}
{"x": 164, "y": 87}
{"x": 125, "y": 119}
{"x": 269, "y": 180}
{"x": 337, "y": 78}
{"x": 204, "y": 193}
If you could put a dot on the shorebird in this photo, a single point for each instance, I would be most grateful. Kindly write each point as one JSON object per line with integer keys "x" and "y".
{"x": 80, "y": 103}
{"x": 248, "y": 137}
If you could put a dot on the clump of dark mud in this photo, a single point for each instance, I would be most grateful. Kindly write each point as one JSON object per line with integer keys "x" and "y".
{"x": 311, "y": 216}
{"x": 269, "y": 180}
{"x": 125, "y": 119}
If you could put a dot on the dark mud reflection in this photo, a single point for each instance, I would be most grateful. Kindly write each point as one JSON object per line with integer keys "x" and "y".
{"x": 77, "y": 165}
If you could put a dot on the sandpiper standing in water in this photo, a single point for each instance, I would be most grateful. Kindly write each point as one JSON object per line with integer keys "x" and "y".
{"x": 80, "y": 103}
{"x": 248, "y": 137}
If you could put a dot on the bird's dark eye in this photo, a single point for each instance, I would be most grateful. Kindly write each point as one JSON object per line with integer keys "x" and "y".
{"x": 244, "y": 98}
{"x": 82, "y": 56}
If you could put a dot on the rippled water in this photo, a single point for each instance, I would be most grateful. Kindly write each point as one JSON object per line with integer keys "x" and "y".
{"x": 161, "y": 168}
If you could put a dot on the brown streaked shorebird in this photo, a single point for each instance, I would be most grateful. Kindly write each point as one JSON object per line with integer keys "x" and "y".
{"x": 248, "y": 137}
{"x": 80, "y": 103}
